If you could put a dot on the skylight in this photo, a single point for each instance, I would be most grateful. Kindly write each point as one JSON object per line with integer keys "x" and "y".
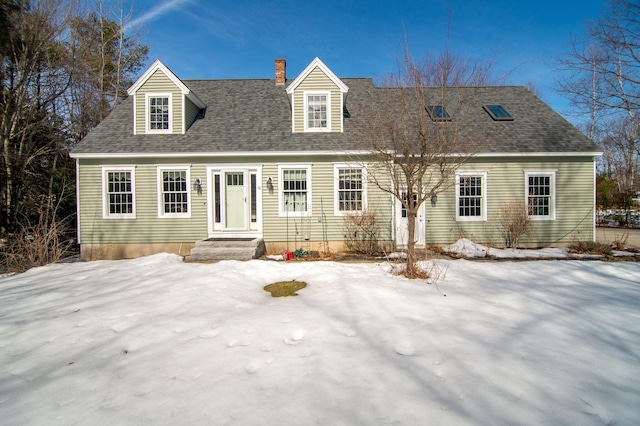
{"x": 438, "y": 113}
{"x": 498, "y": 113}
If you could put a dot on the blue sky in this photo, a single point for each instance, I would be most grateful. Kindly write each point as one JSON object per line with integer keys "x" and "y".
{"x": 241, "y": 38}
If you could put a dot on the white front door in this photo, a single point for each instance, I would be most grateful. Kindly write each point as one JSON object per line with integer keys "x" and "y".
{"x": 402, "y": 225}
{"x": 235, "y": 200}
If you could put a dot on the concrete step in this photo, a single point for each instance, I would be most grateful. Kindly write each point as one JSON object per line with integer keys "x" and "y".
{"x": 226, "y": 249}
{"x": 229, "y": 242}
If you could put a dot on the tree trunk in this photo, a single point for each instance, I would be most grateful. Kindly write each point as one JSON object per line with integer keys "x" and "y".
{"x": 411, "y": 243}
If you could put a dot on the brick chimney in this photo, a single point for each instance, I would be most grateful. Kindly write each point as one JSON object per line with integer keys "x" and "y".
{"x": 281, "y": 71}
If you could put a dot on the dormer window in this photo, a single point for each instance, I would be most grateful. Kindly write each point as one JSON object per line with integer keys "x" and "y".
{"x": 317, "y": 116}
{"x": 158, "y": 113}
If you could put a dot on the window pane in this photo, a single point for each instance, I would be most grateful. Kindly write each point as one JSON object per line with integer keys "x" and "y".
{"x": 174, "y": 189}
{"x": 217, "y": 198}
{"x": 317, "y": 111}
{"x": 349, "y": 189}
{"x": 119, "y": 192}
{"x": 539, "y": 195}
{"x": 470, "y": 196}
{"x": 254, "y": 192}
{"x": 294, "y": 185}
{"x": 159, "y": 113}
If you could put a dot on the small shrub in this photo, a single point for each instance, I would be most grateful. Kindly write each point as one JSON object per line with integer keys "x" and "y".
{"x": 37, "y": 244}
{"x": 590, "y": 247}
{"x": 514, "y": 222}
{"x": 620, "y": 241}
{"x": 361, "y": 231}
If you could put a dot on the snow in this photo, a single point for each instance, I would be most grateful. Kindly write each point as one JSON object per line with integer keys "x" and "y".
{"x": 467, "y": 248}
{"x": 158, "y": 341}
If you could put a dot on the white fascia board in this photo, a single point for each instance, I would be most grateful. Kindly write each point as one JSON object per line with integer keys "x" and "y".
{"x": 157, "y": 65}
{"x": 317, "y": 63}
{"x": 298, "y": 153}
{"x": 84, "y": 155}
{"x": 538, "y": 154}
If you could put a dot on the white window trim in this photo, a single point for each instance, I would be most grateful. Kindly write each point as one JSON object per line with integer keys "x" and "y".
{"x": 552, "y": 195}
{"x": 105, "y": 192}
{"x": 164, "y": 168}
{"x": 305, "y": 96}
{"x": 336, "y": 188}
{"x": 147, "y": 117}
{"x": 281, "y": 211}
{"x": 483, "y": 216}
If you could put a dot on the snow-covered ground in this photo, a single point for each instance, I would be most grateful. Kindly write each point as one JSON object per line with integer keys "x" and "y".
{"x": 467, "y": 248}
{"x": 158, "y": 341}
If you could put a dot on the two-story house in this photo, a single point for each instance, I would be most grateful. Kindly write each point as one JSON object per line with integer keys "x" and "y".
{"x": 282, "y": 161}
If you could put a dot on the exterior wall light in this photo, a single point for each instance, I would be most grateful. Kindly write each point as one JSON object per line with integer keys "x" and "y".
{"x": 270, "y": 185}
{"x": 434, "y": 200}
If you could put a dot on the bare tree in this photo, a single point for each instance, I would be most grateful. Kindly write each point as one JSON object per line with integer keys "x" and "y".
{"x": 32, "y": 77}
{"x": 620, "y": 142}
{"x": 602, "y": 80}
{"x": 417, "y": 134}
{"x": 106, "y": 61}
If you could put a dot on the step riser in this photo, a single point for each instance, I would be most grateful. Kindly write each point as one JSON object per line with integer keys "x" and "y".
{"x": 230, "y": 243}
{"x": 226, "y": 250}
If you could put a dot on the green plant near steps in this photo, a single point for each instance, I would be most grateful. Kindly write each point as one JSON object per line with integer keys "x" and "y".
{"x": 285, "y": 288}
{"x": 300, "y": 252}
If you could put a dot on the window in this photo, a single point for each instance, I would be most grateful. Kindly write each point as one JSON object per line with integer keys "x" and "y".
{"x": 405, "y": 199}
{"x": 438, "y": 113}
{"x": 217, "y": 205}
{"x": 498, "y": 113}
{"x": 254, "y": 197}
{"x": 158, "y": 113}
{"x": 295, "y": 192}
{"x": 317, "y": 111}
{"x": 471, "y": 196}
{"x": 118, "y": 198}
{"x": 350, "y": 195}
{"x": 540, "y": 193}
{"x": 174, "y": 192}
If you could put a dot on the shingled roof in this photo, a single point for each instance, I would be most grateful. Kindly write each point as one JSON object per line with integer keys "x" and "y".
{"x": 254, "y": 116}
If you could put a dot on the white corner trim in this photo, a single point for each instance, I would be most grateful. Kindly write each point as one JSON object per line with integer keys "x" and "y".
{"x": 135, "y": 121}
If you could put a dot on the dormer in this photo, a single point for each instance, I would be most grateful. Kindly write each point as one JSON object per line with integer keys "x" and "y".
{"x": 317, "y": 100}
{"x": 162, "y": 103}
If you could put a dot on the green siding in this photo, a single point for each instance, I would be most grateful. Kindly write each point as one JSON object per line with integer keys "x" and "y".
{"x": 506, "y": 182}
{"x": 158, "y": 82}
{"x": 191, "y": 112}
{"x": 146, "y": 227}
{"x": 317, "y": 80}
{"x": 322, "y": 208}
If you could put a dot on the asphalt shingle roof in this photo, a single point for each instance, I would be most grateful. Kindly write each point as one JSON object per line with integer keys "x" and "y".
{"x": 255, "y": 116}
